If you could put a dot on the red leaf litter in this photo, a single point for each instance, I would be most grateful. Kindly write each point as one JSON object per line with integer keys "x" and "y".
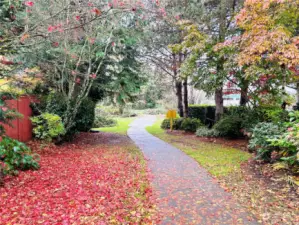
{"x": 80, "y": 184}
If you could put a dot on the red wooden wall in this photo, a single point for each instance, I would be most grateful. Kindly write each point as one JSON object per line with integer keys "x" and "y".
{"x": 22, "y": 128}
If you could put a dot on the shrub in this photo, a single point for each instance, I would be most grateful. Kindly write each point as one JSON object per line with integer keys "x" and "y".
{"x": 249, "y": 116}
{"x": 288, "y": 143}
{"x": 55, "y": 104}
{"x": 205, "y": 113}
{"x": 206, "y": 132}
{"x": 275, "y": 115}
{"x": 107, "y": 111}
{"x": 16, "y": 156}
{"x": 178, "y": 124}
{"x": 166, "y": 124}
{"x": 229, "y": 126}
{"x": 190, "y": 125}
{"x": 139, "y": 105}
{"x": 85, "y": 116}
{"x": 186, "y": 124}
{"x": 262, "y": 133}
{"x": 104, "y": 122}
{"x": 156, "y": 111}
{"x": 47, "y": 126}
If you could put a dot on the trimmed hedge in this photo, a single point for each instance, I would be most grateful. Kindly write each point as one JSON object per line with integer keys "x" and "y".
{"x": 206, "y": 113}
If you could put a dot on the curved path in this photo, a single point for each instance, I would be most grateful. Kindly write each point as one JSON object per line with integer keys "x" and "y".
{"x": 187, "y": 193}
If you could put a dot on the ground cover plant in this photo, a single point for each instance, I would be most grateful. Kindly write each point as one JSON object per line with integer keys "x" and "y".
{"x": 15, "y": 156}
{"x": 47, "y": 126}
{"x": 99, "y": 179}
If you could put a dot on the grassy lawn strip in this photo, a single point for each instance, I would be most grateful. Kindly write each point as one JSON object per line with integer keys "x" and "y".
{"x": 217, "y": 159}
{"x": 121, "y": 127}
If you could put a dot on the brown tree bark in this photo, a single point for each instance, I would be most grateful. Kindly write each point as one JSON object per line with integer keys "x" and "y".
{"x": 1, "y": 177}
{"x": 219, "y": 104}
{"x": 297, "y": 96}
{"x": 186, "y": 103}
{"x": 178, "y": 86}
{"x": 244, "y": 94}
{"x": 222, "y": 32}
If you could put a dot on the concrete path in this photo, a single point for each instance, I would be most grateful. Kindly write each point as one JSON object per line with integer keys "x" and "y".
{"x": 187, "y": 193}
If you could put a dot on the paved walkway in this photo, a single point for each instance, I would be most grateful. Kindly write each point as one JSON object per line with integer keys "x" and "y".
{"x": 188, "y": 195}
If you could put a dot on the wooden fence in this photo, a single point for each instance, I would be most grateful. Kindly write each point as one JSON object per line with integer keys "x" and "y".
{"x": 22, "y": 128}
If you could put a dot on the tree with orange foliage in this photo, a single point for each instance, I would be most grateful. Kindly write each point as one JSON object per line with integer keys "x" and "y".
{"x": 269, "y": 43}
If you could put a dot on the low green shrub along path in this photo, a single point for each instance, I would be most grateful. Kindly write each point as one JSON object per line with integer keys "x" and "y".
{"x": 187, "y": 193}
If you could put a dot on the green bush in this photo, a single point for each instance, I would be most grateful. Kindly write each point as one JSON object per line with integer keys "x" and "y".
{"x": 249, "y": 116}
{"x": 178, "y": 124}
{"x": 47, "y": 126}
{"x": 288, "y": 143}
{"x": 56, "y": 104}
{"x": 156, "y": 111}
{"x": 85, "y": 116}
{"x": 186, "y": 124}
{"x": 16, "y": 156}
{"x": 139, "y": 105}
{"x": 206, "y": 132}
{"x": 191, "y": 125}
{"x": 206, "y": 113}
{"x": 275, "y": 115}
{"x": 278, "y": 142}
{"x": 166, "y": 124}
{"x": 104, "y": 122}
{"x": 229, "y": 126}
{"x": 106, "y": 111}
{"x": 261, "y": 137}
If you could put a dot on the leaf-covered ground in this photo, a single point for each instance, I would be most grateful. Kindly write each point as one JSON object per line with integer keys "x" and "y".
{"x": 256, "y": 186}
{"x": 98, "y": 179}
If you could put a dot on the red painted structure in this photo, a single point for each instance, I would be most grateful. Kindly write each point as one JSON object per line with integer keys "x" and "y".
{"x": 22, "y": 128}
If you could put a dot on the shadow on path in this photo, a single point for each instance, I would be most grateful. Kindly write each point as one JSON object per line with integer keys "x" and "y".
{"x": 187, "y": 193}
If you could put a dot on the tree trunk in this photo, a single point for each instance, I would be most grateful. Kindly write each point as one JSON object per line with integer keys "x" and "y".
{"x": 244, "y": 94}
{"x": 178, "y": 86}
{"x": 121, "y": 109}
{"x": 186, "y": 104}
{"x": 219, "y": 104}
{"x": 297, "y": 96}
{"x": 1, "y": 177}
{"x": 191, "y": 96}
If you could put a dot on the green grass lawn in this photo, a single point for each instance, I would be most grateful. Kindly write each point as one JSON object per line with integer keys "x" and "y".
{"x": 156, "y": 129}
{"x": 121, "y": 127}
{"x": 217, "y": 159}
